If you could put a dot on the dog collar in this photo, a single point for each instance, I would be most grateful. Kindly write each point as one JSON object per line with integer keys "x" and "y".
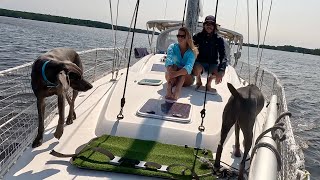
{"x": 49, "y": 84}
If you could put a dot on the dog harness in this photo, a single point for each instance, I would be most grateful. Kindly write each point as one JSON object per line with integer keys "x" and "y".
{"x": 48, "y": 83}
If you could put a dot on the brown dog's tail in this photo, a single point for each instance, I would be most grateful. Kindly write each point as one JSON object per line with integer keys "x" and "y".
{"x": 233, "y": 91}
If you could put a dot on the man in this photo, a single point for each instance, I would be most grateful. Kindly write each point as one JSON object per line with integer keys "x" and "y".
{"x": 211, "y": 48}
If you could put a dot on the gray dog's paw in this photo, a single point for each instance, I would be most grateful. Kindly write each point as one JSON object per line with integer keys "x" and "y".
{"x": 71, "y": 118}
{"x": 237, "y": 153}
{"x": 69, "y": 121}
{"x": 37, "y": 143}
{"x": 58, "y": 133}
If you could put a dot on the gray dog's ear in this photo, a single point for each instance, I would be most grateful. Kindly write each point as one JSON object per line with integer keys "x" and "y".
{"x": 71, "y": 67}
{"x": 64, "y": 81}
{"x": 233, "y": 91}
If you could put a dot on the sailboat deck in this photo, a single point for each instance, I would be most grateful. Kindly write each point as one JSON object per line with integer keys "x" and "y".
{"x": 163, "y": 130}
{"x": 98, "y": 108}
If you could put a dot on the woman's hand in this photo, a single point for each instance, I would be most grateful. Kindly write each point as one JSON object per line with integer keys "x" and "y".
{"x": 172, "y": 74}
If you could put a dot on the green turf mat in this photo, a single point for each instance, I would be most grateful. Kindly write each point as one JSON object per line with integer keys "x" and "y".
{"x": 149, "y": 151}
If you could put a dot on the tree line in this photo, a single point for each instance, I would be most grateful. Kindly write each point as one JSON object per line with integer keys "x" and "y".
{"x": 288, "y": 48}
{"x": 65, "y": 20}
{"x": 97, "y": 24}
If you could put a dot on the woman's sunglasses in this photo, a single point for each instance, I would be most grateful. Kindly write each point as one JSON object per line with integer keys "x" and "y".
{"x": 181, "y": 36}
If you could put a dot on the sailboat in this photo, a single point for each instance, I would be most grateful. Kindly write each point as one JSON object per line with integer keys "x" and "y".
{"x": 145, "y": 114}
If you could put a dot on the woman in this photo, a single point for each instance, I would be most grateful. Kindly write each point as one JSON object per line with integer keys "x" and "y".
{"x": 179, "y": 64}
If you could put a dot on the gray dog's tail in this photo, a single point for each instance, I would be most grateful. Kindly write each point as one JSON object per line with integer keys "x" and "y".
{"x": 233, "y": 91}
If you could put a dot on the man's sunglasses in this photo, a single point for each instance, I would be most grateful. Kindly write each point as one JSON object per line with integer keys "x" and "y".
{"x": 209, "y": 24}
{"x": 181, "y": 36}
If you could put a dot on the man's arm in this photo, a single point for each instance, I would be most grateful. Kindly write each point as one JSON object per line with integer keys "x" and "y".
{"x": 195, "y": 40}
{"x": 222, "y": 55}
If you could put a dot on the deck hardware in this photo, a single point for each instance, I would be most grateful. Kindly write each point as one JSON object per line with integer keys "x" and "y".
{"x": 176, "y": 115}
{"x": 151, "y": 112}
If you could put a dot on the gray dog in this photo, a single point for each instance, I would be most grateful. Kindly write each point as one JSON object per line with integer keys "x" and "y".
{"x": 52, "y": 74}
{"x": 241, "y": 110}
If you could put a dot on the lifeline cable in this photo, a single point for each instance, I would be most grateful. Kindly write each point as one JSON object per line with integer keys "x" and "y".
{"x": 123, "y": 99}
{"x": 201, "y": 128}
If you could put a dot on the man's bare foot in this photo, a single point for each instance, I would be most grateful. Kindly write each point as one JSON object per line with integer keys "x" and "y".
{"x": 211, "y": 89}
{"x": 198, "y": 82}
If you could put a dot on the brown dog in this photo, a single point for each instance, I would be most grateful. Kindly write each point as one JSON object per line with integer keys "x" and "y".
{"x": 52, "y": 74}
{"x": 241, "y": 110}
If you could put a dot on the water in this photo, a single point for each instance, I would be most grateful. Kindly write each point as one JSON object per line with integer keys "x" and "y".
{"x": 22, "y": 41}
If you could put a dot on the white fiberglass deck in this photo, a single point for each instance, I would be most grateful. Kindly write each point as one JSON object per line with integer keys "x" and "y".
{"x": 98, "y": 108}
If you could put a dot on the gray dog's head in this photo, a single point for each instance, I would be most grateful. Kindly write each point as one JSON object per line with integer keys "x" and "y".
{"x": 247, "y": 101}
{"x": 70, "y": 75}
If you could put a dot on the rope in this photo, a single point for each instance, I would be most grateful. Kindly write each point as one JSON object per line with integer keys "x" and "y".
{"x": 184, "y": 11}
{"x": 123, "y": 99}
{"x": 272, "y": 148}
{"x": 272, "y": 130}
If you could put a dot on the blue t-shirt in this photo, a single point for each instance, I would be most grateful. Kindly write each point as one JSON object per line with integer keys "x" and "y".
{"x": 174, "y": 57}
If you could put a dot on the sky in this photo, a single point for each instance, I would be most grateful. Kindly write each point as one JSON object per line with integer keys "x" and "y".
{"x": 292, "y": 22}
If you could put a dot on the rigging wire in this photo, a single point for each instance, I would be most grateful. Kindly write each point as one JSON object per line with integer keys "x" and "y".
{"x": 114, "y": 30}
{"x": 115, "y": 43}
{"x": 258, "y": 29}
{"x": 123, "y": 99}
{"x": 235, "y": 17}
{"x": 216, "y": 12}
{"x": 265, "y": 34}
{"x": 165, "y": 10}
{"x": 248, "y": 39}
{"x": 262, "y": 2}
{"x": 184, "y": 12}
{"x": 117, "y": 16}
{"x": 114, "y": 36}
{"x": 134, "y": 12}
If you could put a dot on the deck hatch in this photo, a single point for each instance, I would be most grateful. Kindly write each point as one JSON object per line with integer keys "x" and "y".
{"x": 158, "y": 68}
{"x": 166, "y": 110}
{"x": 150, "y": 82}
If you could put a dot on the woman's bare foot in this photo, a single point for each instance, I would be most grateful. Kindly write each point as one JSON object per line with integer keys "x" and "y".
{"x": 169, "y": 96}
{"x": 175, "y": 96}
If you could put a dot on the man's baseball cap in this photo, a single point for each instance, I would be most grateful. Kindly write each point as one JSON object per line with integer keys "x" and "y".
{"x": 209, "y": 19}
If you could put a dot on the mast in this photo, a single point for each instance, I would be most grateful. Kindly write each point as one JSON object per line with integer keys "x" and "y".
{"x": 192, "y": 15}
